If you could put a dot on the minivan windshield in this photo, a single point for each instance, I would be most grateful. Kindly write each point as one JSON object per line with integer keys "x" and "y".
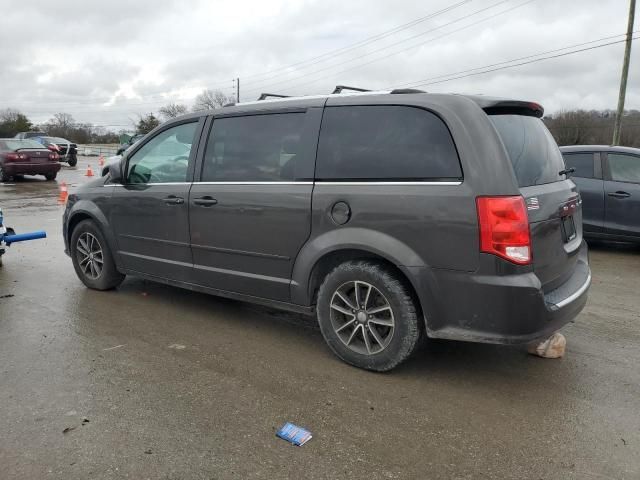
{"x": 532, "y": 150}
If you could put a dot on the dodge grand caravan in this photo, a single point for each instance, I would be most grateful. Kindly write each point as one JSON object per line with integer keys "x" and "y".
{"x": 389, "y": 215}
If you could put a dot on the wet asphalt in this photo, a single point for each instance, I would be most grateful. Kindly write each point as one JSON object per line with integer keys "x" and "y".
{"x": 152, "y": 381}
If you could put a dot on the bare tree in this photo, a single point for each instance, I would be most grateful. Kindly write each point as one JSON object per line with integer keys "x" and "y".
{"x": 61, "y": 125}
{"x": 209, "y": 99}
{"x": 173, "y": 110}
{"x": 572, "y": 127}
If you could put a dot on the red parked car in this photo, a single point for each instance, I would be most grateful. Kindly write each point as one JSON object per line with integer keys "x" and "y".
{"x": 26, "y": 157}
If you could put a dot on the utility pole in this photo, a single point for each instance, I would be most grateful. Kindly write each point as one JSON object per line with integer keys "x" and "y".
{"x": 238, "y": 87}
{"x": 625, "y": 74}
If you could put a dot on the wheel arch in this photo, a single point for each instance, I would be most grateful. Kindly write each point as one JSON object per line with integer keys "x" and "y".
{"x": 84, "y": 210}
{"x": 326, "y": 252}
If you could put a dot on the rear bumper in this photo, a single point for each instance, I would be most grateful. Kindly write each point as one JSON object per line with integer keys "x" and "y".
{"x": 14, "y": 168}
{"x": 508, "y": 309}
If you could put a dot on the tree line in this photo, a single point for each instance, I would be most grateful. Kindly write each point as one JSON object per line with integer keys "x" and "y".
{"x": 593, "y": 127}
{"x": 569, "y": 127}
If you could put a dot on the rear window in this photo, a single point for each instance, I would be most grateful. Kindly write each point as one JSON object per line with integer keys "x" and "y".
{"x": 385, "y": 143}
{"x": 15, "y": 144}
{"x": 532, "y": 150}
{"x": 582, "y": 163}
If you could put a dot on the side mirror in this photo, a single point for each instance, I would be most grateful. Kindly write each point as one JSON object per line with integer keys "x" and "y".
{"x": 115, "y": 170}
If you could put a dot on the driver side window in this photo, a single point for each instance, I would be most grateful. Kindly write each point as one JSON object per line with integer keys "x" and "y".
{"x": 164, "y": 158}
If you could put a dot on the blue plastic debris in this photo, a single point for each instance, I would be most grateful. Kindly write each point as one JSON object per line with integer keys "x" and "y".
{"x": 293, "y": 434}
{"x": 23, "y": 237}
{"x": 8, "y": 236}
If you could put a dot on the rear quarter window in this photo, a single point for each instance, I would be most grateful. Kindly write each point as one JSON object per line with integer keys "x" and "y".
{"x": 379, "y": 143}
{"x": 582, "y": 163}
{"x": 533, "y": 152}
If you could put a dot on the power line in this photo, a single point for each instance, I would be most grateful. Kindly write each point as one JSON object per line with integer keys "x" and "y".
{"x": 515, "y": 64}
{"x": 314, "y": 60}
{"x": 417, "y": 83}
{"x": 506, "y": 64}
{"x": 362, "y": 43}
{"x": 268, "y": 87}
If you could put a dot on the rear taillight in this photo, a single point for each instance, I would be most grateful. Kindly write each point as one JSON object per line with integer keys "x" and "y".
{"x": 12, "y": 157}
{"x": 504, "y": 228}
{"x": 54, "y": 156}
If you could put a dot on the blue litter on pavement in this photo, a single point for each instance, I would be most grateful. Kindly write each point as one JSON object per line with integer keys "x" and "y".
{"x": 293, "y": 434}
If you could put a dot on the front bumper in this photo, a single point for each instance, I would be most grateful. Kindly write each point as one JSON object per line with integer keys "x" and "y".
{"x": 15, "y": 168}
{"x": 507, "y": 309}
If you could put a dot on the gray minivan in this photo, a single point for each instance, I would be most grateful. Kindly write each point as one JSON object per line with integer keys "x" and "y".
{"x": 389, "y": 215}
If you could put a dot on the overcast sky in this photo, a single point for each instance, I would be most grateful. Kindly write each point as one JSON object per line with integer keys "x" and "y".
{"x": 106, "y": 62}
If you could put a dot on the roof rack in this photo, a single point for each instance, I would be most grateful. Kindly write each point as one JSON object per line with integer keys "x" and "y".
{"x": 340, "y": 88}
{"x": 406, "y": 90}
{"x": 264, "y": 96}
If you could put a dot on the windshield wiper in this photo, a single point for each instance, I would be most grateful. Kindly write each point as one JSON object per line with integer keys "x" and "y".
{"x": 566, "y": 171}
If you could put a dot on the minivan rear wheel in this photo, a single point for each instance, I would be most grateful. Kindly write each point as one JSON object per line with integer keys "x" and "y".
{"x": 92, "y": 258}
{"x": 368, "y": 316}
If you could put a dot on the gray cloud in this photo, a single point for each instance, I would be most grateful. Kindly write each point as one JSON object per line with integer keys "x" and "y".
{"x": 76, "y": 56}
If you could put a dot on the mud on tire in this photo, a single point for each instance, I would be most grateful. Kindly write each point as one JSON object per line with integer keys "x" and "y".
{"x": 390, "y": 318}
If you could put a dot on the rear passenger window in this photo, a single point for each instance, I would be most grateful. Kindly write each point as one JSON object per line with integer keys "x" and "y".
{"x": 581, "y": 162}
{"x": 624, "y": 168}
{"x": 385, "y": 143}
{"x": 258, "y": 148}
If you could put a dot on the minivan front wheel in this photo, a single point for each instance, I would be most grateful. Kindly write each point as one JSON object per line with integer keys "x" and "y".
{"x": 92, "y": 258}
{"x": 367, "y": 316}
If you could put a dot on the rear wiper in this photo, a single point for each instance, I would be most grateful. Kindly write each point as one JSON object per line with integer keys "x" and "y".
{"x": 30, "y": 148}
{"x": 566, "y": 171}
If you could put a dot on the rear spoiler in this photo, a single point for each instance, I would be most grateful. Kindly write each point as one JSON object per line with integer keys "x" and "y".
{"x": 513, "y": 107}
{"x": 501, "y": 106}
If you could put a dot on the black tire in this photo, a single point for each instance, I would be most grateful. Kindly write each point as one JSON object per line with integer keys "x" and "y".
{"x": 51, "y": 176}
{"x": 402, "y": 338}
{"x": 73, "y": 160}
{"x": 4, "y": 176}
{"x": 108, "y": 277}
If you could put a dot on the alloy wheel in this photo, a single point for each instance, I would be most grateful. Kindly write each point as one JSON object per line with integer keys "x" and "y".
{"x": 362, "y": 317}
{"x": 89, "y": 254}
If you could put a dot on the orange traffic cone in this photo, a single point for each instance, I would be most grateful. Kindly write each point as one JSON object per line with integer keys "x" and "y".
{"x": 89, "y": 172}
{"x": 64, "y": 193}
{"x": 101, "y": 161}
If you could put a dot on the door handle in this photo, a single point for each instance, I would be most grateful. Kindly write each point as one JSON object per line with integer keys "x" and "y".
{"x": 173, "y": 200}
{"x": 619, "y": 194}
{"x": 205, "y": 201}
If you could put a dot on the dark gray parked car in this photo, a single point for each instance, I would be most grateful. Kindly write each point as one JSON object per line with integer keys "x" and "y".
{"x": 390, "y": 215}
{"x": 609, "y": 183}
